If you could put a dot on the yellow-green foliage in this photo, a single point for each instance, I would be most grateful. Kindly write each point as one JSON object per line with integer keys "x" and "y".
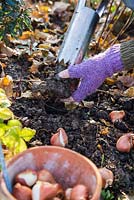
{"x": 12, "y": 134}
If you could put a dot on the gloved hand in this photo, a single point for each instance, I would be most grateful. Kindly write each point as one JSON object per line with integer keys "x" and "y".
{"x": 94, "y": 71}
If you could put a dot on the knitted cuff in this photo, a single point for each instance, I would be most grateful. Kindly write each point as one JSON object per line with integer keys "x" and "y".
{"x": 111, "y": 60}
{"x": 127, "y": 54}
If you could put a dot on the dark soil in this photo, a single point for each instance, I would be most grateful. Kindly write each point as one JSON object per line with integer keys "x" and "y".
{"x": 83, "y": 125}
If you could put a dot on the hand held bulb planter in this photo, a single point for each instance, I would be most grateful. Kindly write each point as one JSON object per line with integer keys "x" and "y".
{"x": 67, "y": 167}
{"x": 4, "y": 170}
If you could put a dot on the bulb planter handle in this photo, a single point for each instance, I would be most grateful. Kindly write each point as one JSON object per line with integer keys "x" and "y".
{"x": 4, "y": 170}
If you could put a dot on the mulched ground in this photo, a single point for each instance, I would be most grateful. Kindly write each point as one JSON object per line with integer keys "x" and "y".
{"x": 83, "y": 125}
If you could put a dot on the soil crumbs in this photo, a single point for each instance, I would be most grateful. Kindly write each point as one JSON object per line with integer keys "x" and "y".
{"x": 89, "y": 129}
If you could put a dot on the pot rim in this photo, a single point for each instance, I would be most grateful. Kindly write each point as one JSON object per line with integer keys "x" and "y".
{"x": 98, "y": 188}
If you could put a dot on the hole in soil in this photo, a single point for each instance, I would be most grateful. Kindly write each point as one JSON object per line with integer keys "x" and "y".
{"x": 52, "y": 107}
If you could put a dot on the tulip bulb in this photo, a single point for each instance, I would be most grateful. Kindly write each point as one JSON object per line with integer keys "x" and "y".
{"x": 27, "y": 177}
{"x": 107, "y": 177}
{"x": 79, "y": 192}
{"x": 125, "y": 142}
{"x": 116, "y": 115}
{"x": 60, "y": 138}
{"x": 21, "y": 192}
{"x": 46, "y": 176}
{"x": 68, "y": 193}
{"x": 44, "y": 190}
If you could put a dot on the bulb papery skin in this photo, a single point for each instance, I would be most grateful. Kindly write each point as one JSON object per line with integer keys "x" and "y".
{"x": 79, "y": 192}
{"x": 27, "y": 177}
{"x": 60, "y": 138}
{"x": 22, "y": 192}
{"x": 125, "y": 143}
{"x": 117, "y": 115}
{"x": 46, "y": 176}
{"x": 107, "y": 177}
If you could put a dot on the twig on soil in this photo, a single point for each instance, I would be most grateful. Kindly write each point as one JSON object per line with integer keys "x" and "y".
{"x": 54, "y": 108}
{"x": 43, "y": 129}
{"x": 27, "y": 80}
{"x": 101, "y": 139}
{"x": 107, "y": 92}
{"x": 103, "y": 91}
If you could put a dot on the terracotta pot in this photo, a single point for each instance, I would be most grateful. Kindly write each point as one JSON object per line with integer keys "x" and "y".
{"x": 68, "y": 167}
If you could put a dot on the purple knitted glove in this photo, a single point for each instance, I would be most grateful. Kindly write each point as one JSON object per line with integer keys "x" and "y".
{"x": 94, "y": 71}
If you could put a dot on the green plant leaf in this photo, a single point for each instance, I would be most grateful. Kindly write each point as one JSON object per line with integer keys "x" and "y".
{"x": 4, "y": 101}
{"x": 11, "y": 137}
{"x": 107, "y": 195}
{"x": 9, "y": 141}
{"x": 27, "y": 133}
{"x": 20, "y": 146}
{"x": 1, "y": 121}
{"x": 2, "y": 132}
{"x": 14, "y": 122}
{"x": 2, "y": 91}
{"x": 6, "y": 113}
{"x": 3, "y": 126}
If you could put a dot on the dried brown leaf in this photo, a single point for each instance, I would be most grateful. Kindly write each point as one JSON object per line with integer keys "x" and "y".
{"x": 34, "y": 68}
{"x": 110, "y": 81}
{"x": 6, "y": 83}
{"x": 26, "y": 35}
{"x": 105, "y": 122}
{"x": 60, "y": 7}
{"x": 3, "y": 65}
{"x": 127, "y": 80}
{"x": 104, "y": 131}
{"x": 27, "y": 94}
{"x": 129, "y": 92}
{"x": 40, "y": 35}
{"x": 7, "y": 50}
